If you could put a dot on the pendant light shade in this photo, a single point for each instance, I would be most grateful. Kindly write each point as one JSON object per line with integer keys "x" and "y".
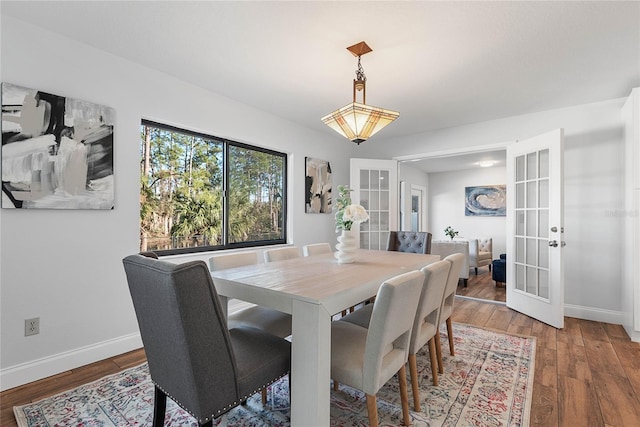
{"x": 358, "y": 121}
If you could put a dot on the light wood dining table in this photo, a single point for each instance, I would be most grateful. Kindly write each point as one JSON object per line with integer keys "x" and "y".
{"x": 313, "y": 289}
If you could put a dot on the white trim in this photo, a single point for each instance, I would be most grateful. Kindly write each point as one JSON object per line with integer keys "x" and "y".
{"x": 633, "y": 334}
{"x": 487, "y": 301}
{"x": 24, "y": 373}
{"x": 454, "y": 151}
{"x": 594, "y": 314}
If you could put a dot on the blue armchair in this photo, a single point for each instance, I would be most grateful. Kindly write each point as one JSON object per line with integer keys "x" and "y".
{"x": 499, "y": 269}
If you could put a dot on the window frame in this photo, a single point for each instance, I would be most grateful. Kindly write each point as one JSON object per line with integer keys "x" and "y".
{"x": 226, "y": 144}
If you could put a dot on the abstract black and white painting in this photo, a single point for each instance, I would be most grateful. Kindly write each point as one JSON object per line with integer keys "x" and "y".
{"x": 487, "y": 200}
{"x": 57, "y": 152}
{"x": 317, "y": 186}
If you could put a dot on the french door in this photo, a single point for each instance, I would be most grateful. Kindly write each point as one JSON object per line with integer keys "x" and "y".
{"x": 375, "y": 185}
{"x": 535, "y": 228}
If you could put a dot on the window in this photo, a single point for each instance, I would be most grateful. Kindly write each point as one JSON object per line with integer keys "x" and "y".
{"x": 201, "y": 193}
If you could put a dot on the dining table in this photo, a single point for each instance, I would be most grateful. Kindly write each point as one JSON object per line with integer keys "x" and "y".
{"x": 312, "y": 289}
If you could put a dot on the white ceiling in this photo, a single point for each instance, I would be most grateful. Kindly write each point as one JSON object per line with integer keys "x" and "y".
{"x": 440, "y": 64}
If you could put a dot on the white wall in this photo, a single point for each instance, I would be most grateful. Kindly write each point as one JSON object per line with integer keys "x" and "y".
{"x": 593, "y": 167}
{"x": 65, "y": 266}
{"x": 446, "y": 206}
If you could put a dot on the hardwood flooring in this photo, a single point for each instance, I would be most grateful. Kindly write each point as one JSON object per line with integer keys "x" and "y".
{"x": 482, "y": 287}
{"x": 587, "y": 374}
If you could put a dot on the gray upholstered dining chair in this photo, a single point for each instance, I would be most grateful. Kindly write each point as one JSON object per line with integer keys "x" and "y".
{"x": 366, "y": 358}
{"x": 280, "y": 254}
{"x": 418, "y": 242}
{"x": 267, "y": 319}
{"x": 193, "y": 357}
{"x": 448, "y": 300}
{"x": 316, "y": 248}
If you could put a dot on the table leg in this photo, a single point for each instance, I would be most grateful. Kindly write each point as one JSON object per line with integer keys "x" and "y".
{"x": 224, "y": 302}
{"x": 310, "y": 365}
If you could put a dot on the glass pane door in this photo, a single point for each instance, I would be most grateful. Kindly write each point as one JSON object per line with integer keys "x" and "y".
{"x": 532, "y": 213}
{"x": 375, "y": 182}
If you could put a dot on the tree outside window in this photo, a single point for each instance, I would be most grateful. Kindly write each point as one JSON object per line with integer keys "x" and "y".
{"x": 183, "y": 207}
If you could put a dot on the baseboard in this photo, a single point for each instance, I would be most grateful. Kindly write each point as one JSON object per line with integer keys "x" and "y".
{"x": 633, "y": 334}
{"x": 488, "y": 301}
{"x": 594, "y": 314}
{"x": 24, "y": 373}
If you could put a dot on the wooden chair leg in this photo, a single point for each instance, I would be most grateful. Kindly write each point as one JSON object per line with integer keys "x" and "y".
{"x": 413, "y": 371}
{"x": 450, "y": 333}
{"x": 159, "y": 407}
{"x": 434, "y": 360}
{"x": 404, "y": 397}
{"x": 264, "y": 396}
{"x": 372, "y": 410}
{"x": 336, "y": 385}
{"x": 439, "y": 353}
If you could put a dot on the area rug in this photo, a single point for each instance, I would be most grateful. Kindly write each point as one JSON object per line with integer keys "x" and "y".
{"x": 487, "y": 383}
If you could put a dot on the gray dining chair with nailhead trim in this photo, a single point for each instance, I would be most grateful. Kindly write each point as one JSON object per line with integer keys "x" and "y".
{"x": 418, "y": 242}
{"x": 194, "y": 359}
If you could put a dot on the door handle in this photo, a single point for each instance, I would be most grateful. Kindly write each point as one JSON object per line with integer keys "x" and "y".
{"x": 553, "y": 243}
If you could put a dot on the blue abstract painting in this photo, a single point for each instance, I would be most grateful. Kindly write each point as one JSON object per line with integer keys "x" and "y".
{"x": 485, "y": 200}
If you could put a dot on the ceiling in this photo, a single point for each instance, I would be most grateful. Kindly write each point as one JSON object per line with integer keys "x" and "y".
{"x": 440, "y": 64}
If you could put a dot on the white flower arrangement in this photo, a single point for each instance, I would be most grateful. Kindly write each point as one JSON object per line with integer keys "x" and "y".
{"x": 348, "y": 213}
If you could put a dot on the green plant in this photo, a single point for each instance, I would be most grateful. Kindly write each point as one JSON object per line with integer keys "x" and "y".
{"x": 450, "y": 232}
{"x": 347, "y": 213}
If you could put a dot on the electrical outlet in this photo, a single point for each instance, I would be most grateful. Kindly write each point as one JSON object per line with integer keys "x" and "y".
{"x": 31, "y": 326}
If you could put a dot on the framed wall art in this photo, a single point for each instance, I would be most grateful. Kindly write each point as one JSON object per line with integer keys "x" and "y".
{"x": 317, "y": 186}
{"x": 486, "y": 200}
{"x": 57, "y": 152}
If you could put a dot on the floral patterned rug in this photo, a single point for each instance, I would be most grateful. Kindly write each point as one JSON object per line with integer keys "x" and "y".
{"x": 488, "y": 383}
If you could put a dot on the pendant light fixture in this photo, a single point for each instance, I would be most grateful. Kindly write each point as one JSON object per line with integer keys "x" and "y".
{"x": 357, "y": 121}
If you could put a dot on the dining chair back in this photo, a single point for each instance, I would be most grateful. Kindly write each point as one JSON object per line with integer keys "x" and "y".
{"x": 366, "y": 358}
{"x": 316, "y": 248}
{"x": 418, "y": 242}
{"x": 280, "y": 254}
{"x": 425, "y": 325}
{"x": 448, "y": 300}
{"x": 193, "y": 358}
{"x": 232, "y": 260}
{"x": 266, "y": 319}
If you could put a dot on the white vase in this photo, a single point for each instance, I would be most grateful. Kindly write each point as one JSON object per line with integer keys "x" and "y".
{"x": 346, "y": 247}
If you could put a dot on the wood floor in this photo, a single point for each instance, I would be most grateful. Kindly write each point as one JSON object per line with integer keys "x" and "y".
{"x": 587, "y": 374}
{"x": 482, "y": 287}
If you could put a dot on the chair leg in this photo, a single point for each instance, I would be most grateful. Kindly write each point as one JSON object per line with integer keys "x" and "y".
{"x": 372, "y": 410}
{"x": 476, "y": 270}
{"x": 264, "y": 396}
{"x": 450, "y": 333}
{"x": 159, "y": 407}
{"x": 439, "y": 353}
{"x": 434, "y": 360}
{"x": 404, "y": 397}
{"x": 413, "y": 371}
{"x": 336, "y": 385}
{"x": 465, "y": 281}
